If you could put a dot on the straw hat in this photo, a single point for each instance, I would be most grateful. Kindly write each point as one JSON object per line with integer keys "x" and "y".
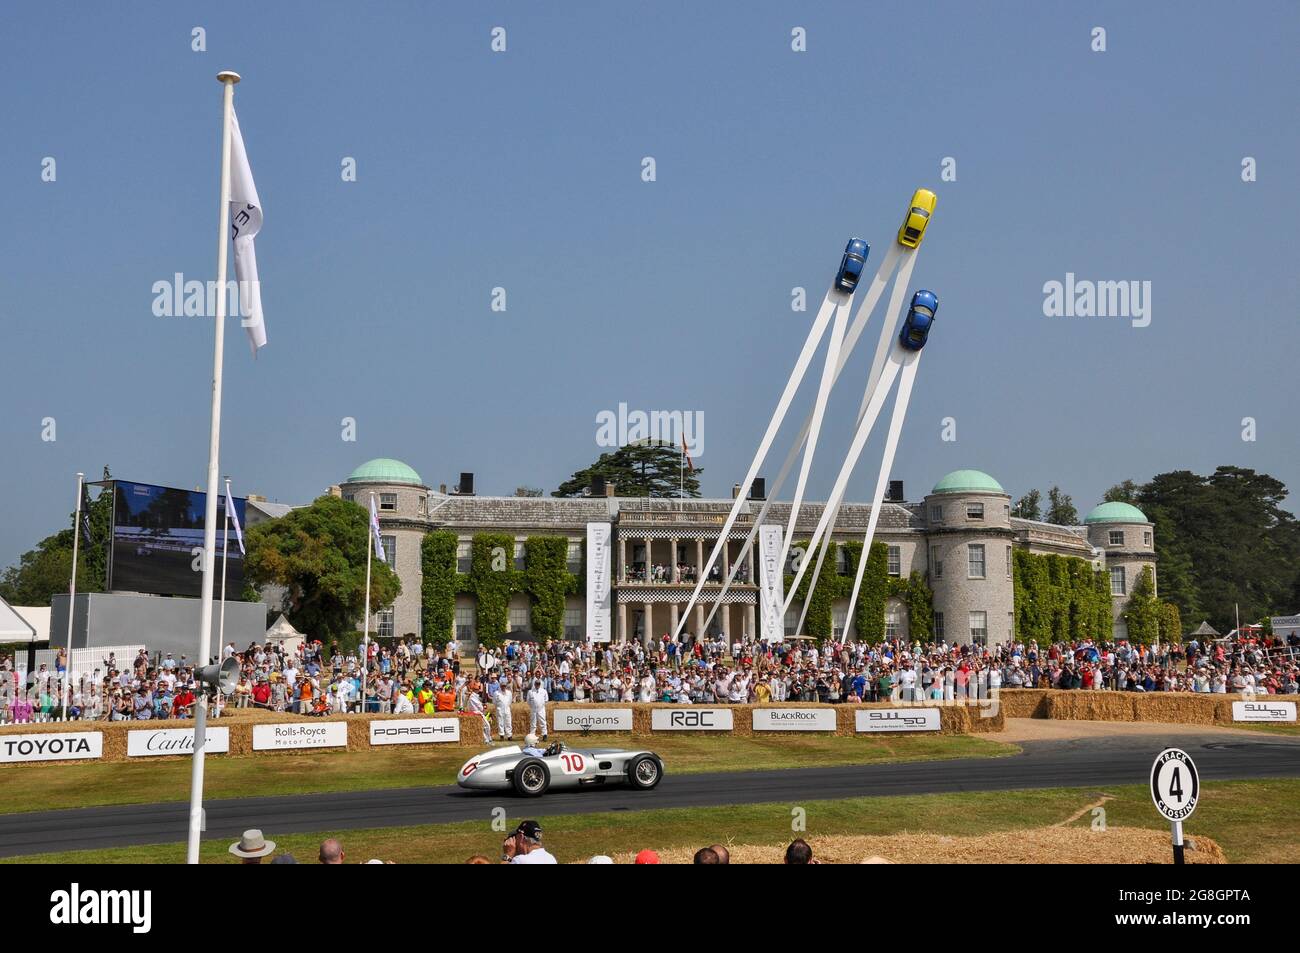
{"x": 252, "y": 844}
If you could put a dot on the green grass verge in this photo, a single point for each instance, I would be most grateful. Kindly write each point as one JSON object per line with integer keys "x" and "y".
{"x": 1254, "y": 822}
{"x": 46, "y": 787}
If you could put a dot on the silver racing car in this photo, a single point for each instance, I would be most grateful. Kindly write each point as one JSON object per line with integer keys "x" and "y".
{"x": 559, "y": 766}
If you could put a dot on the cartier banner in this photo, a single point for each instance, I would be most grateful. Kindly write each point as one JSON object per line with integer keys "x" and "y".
{"x": 598, "y": 591}
{"x": 771, "y": 583}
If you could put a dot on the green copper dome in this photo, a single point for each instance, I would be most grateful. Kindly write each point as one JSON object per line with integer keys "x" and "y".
{"x": 968, "y": 481}
{"x": 1115, "y": 512}
{"x": 384, "y": 470}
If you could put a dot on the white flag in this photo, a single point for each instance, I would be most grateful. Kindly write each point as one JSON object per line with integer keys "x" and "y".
{"x": 374, "y": 529}
{"x": 234, "y": 519}
{"x": 245, "y": 223}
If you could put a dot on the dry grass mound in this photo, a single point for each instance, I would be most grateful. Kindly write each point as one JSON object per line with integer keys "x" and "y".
{"x": 1042, "y": 845}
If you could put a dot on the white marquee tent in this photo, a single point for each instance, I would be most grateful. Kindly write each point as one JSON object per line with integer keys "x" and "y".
{"x": 14, "y": 628}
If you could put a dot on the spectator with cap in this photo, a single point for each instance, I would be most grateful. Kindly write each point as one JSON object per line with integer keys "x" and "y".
{"x": 524, "y": 846}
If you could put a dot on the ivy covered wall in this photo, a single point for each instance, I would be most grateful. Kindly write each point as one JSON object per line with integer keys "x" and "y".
{"x": 1060, "y": 598}
{"x": 878, "y": 587}
{"x": 493, "y": 580}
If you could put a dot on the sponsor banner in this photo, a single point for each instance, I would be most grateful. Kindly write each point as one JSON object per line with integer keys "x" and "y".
{"x": 414, "y": 731}
{"x": 598, "y": 582}
{"x": 690, "y": 719}
{"x": 896, "y": 719}
{"x": 1263, "y": 711}
{"x": 323, "y": 734}
{"x": 160, "y": 741}
{"x": 55, "y": 746}
{"x": 794, "y": 719}
{"x": 592, "y": 719}
{"x": 771, "y": 583}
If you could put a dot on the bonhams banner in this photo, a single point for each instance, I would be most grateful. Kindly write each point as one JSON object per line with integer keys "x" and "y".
{"x": 771, "y": 583}
{"x": 598, "y": 582}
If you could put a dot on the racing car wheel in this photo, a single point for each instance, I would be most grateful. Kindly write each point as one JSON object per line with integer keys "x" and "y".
{"x": 644, "y": 772}
{"x": 531, "y": 777}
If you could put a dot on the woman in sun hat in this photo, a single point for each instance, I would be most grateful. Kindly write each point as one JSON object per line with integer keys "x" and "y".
{"x": 252, "y": 847}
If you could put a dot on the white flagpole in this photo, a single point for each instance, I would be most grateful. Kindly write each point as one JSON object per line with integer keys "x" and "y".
{"x": 72, "y": 598}
{"x": 365, "y": 642}
{"x": 228, "y": 80}
{"x": 221, "y": 627}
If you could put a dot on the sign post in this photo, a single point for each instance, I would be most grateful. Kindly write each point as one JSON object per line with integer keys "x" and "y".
{"x": 1175, "y": 790}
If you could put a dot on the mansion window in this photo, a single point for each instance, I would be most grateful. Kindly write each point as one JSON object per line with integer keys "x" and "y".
{"x": 938, "y": 626}
{"x": 1146, "y": 539}
{"x": 1117, "y": 581}
{"x": 975, "y": 561}
{"x": 974, "y": 511}
{"x": 464, "y": 555}
{"x": 839, "y": 619}
{"x": 979, "y": 628}
{"x": 422, "y": 508}
{"x": 390, "y": 550}
{"x": 936, "y": 562}
{"x": 574, "y": 558}
{"x": 465, "y": 622}
{"x": 520, "y": 559}
{"x": 791, "y": 620}
{"x": 891, "y": 622}
{"x": 1008, "y": 562}
{"x": 519, "y": 619}
{"x": 388, "y": 502}
{"x": 1116, "y": 537}
{"x": 895, "y": 561}
{"x": 936, "y": 514}
{"x": 385, "y": 629}
{"x": 573, "y": 623}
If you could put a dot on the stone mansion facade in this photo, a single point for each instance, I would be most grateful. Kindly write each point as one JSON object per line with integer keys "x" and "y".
{"x": 959, "y": 537}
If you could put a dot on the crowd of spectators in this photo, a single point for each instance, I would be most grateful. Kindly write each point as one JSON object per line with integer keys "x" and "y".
{"x": 406, "y": 676}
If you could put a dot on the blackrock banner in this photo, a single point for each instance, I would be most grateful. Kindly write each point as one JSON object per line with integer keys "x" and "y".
{"x": 325, "y": 734}
{"x": 159, "y": 741}
{"x": 1263, "y": 711}
{"x": 771, "y": 583}
{"x": 414, "y": 731}
{"x": 592, "y": 719}
{"x": 55, "y": 746}
{"x": 691, "y": 719}
{"x": 599, "y": 558}
{"x": 896, "y": 719}
{"x": 794, "y": 719}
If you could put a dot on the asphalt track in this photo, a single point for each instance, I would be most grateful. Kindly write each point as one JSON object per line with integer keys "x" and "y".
{"x": 1092, "y": 763}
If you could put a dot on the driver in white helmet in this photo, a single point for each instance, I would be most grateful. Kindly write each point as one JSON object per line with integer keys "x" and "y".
{"x": 530, "y": 746}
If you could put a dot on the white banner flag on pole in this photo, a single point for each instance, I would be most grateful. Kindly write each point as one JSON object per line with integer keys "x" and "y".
{"x": 771, "y": 580}
{"x": 245, "y": 223}
{"x": 234, "y": 521}
{"x": 374, "y": 530}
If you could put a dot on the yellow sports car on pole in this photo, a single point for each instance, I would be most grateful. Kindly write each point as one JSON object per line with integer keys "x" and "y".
{"x": 918, "y": 216}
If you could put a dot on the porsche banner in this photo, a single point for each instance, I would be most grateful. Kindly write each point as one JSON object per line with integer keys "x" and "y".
{"x": 770, "y": 583}
{"x": 598, "y": 582}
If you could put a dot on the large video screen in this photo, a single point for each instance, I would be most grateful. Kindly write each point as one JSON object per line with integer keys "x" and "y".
{"x": 158, "y": 542}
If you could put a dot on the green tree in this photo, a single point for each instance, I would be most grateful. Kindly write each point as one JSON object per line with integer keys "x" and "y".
{"x": 318, "y": 554}
{"x": 1142, "y": 611}
{"x": 1029, "y": 506}
{"x": 1060, "y": 508}
{"x": 1223, "y": 541}
{"x": 1126, "y": 492}
{"x": 438, "y": 586}
{"x": 43, "y": 572}
{"x": 650, "y": 469}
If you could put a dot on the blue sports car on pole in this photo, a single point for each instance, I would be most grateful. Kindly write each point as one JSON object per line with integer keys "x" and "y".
{"x": 920, "y": 317}
{"x": 855, "y": 256}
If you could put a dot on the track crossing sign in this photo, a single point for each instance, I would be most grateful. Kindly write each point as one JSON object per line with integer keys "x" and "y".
{"x": 1175, "y": 790}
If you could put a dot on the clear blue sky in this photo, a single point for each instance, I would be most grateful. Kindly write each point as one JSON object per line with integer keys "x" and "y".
{"x": 522, "y": 170}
